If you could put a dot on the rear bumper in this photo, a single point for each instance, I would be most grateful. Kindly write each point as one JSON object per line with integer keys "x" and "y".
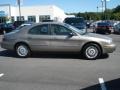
{"x": 7, "y": 45}
{"x": 104, "y": 30}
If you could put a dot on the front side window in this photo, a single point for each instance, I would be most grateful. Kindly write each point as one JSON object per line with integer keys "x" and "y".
{"x": 39, "y": 30}
{"x": 60, "y": 30}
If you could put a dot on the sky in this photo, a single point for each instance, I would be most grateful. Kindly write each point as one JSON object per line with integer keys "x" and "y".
{"x": 69, "y": 6}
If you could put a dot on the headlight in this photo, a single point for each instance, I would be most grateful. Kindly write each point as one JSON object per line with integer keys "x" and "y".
{"x": 109, "y": 41}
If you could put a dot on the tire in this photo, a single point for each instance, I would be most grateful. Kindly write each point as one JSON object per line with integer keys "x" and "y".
{"x": 91, "y": 51}
{"x": 109, "y": 32}
{"x": 22, "y": 50}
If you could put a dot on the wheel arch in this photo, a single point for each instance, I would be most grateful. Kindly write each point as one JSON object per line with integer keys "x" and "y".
{"x": 92, "y": 43}
{"x": 18, "y": 43}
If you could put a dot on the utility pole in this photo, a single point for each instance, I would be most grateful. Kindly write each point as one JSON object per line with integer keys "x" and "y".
{"x": 105, "y": 4}
{"x": 102, "y": 5}
{"x": 97, "y": 9}
{"x": 9, "y": 11}
{"x": 105, "y": 9}
{"x": 19, "y": 3}
{"x": 102, "y": 9}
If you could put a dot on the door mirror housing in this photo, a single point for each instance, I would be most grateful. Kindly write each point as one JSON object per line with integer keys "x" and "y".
{"x": 70, "y": 34}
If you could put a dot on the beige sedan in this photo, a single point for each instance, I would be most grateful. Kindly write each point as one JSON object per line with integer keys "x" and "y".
{"x": 57, "y": 37}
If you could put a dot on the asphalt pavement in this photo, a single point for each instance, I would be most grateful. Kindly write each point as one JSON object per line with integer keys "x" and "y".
{"x": 60, "y": 71}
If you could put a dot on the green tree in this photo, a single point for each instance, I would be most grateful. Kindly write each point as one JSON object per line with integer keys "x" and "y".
{"x": 109, "y": 14}
{"x": 116, "y": 16}
{"x": 117, "y": 9}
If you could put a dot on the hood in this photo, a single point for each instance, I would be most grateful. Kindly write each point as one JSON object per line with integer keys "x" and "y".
{"x": 93, "y": 35}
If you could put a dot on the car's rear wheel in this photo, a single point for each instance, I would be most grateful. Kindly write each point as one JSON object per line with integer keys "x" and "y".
{"x": 108, "y": 32}
{"x": 91, "y": 51}
{"x": 22, "y": 50}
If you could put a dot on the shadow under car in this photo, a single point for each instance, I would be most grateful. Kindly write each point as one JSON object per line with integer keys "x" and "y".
{"x": 62, "y": 55}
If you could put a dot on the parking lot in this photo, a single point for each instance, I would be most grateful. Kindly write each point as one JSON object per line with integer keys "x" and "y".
{"x": 60, "y": 71}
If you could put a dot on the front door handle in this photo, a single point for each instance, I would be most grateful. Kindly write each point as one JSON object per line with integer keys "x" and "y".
{"x": 30, "y": 38}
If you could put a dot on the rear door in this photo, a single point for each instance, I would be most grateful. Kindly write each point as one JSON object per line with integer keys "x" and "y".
{"x": 39, "y": 37}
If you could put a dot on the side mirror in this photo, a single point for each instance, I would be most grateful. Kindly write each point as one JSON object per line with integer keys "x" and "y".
{"x": 70, "y": 34}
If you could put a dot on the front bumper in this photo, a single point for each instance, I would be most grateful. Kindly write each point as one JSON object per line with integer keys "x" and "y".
{"x": 109, "y": 48}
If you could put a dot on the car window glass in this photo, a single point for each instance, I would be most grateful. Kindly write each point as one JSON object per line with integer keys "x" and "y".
{"x": 74, "y": 20}
{"x": 118, "y": 25}
{"x": 60, "y": 30}
{"x": 39, "y": 30}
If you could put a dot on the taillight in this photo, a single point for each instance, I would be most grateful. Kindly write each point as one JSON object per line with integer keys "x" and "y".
{"x": 99, "y": 27}
{"x": 109, "y": 27}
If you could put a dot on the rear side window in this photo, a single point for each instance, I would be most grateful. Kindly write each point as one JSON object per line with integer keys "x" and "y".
{"x": 39, "y": 30}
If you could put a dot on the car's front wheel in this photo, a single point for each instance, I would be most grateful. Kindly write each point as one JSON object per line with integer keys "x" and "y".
{"x": 91, "y": 51}
{"x": 22, "y": 50}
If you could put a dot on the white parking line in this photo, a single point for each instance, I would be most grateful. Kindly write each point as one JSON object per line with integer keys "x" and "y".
{"x": 2, "y": 74}
{"x": 102, "y": 84}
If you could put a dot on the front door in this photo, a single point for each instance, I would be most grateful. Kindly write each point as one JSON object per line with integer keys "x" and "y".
{"x": 61, "y": 39}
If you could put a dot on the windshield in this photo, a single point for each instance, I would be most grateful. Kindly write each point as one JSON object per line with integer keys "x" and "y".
{"x": 76, "y": 22}
{"x": 80, "y": 31}
{"x": 103, "y": 24}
